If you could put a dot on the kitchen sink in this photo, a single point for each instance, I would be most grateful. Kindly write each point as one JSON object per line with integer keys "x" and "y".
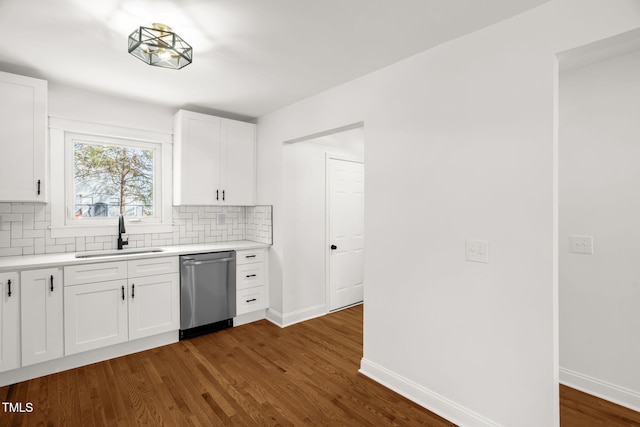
{"x": 99, "y": 254}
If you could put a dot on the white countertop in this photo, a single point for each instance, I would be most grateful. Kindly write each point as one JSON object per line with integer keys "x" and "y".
{"x": 58, "y": 260}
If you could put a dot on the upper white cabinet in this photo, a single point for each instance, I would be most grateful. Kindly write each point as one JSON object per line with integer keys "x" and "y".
{"x": 23, "y": 130}
{"x": 214, "y": 160}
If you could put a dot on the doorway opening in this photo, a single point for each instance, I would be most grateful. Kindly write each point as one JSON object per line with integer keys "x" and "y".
{"x": 306, "y": 202}
{"x": 598, "y": 209}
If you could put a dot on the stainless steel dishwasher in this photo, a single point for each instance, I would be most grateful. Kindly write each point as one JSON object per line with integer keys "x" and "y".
{"x": 207, "y": 292}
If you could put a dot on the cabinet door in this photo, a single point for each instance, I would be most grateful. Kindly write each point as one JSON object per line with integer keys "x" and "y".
{"x": 154, "y": 305}
{"x": 95, "y": 315}
{"x": 23, "y": 127}
{"x": 41, "y": 315}
{"x": 238, "y": 165}
{"x": 9, "y": 321}
{"x": 196, "y": 154}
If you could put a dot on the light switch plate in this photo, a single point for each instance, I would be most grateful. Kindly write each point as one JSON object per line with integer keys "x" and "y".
{"x": 581, "y": 244}
{"x": 477, "y": 251}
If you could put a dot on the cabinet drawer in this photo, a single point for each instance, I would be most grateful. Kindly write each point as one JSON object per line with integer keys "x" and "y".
{"x": 153, "y": 266}
{"x": 249, "y": 256}
{"x": 251, "y": 299}
{"x": 91, "y": 273}
{"x": 249, "y": 275}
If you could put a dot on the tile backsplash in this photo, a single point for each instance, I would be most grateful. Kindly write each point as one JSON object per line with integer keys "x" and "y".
{"x": 25, "y": 229}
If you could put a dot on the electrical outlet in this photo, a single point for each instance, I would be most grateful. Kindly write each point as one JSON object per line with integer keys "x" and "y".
{"x": 581, "y": 244}
{"x": 477, "y": 251}
{"x": 221, "y": 219}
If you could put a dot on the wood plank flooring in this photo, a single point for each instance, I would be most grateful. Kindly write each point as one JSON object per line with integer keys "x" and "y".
{"x": 256, "y": 374}
{"x": 578, "y": 409}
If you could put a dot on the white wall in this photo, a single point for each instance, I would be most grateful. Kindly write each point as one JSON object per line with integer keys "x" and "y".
{"x": 460, "y": 144}
{"x": 77, "y": 104}
{"x": 600, "y": 196}
{"x": 303, "y": 213}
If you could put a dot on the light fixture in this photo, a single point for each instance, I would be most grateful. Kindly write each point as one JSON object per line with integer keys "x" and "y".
{"x": 161, "y": 47}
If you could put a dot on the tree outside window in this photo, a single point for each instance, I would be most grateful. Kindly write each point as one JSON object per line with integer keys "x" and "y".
{"x": 112, "y": 180}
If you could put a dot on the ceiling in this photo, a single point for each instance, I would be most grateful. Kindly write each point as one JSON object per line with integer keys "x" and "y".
{"x": 250, "y": 56}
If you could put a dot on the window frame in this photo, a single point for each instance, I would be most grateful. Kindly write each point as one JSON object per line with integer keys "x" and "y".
{"x": 63, "y": 132}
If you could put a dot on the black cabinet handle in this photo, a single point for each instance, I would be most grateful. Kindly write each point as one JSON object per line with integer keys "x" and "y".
{"x": 334, "y": 247}
{"x": 250, "y": 256}
{"x": 38, "y": 187}
{"x": 223, "y": 195}
{"x": 251, "y": 275}
{"x": 9, "y": 287}
{"x": 123, "y": 293}
{"x": 252, "y": 300}
{"x": 217, "y": 192}
{"x": 133, "y": 290}
{"x": 52, "y": 283}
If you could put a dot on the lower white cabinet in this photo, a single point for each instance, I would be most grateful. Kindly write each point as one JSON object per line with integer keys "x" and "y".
{"x": 154, "y": 305}
{"x": 251, "y": 281}
{"x": 135, "y": 305}
{"x": 9, "y": 321}
{"x": 41, "y": 315}
{"x": 95, "y": 315}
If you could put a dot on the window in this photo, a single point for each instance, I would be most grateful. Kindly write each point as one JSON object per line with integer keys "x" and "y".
{"x": 112, "y": 178}
{"x": 100, "y": 172}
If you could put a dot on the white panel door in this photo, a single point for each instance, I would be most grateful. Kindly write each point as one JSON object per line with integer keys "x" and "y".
{"x": 9, "y": 321}
{"x": 154, "y": 305}
{"x": 346, "y": 232}
{"x": 41, "y": 315}
{"x": 95, "y": 315}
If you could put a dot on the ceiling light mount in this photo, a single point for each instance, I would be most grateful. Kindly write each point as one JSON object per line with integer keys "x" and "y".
{"x": 159, "y": 46}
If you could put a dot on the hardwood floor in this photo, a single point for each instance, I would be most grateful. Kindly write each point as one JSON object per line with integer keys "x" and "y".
{"x": 256, "y": 374}
{"x": 578, "y": 409}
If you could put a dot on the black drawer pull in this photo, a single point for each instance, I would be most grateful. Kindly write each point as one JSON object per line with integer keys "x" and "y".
{"x": 252, "y": 300}
{"x": 251, "y": 275}
{"x": 9, "y": 287}
{"x": 250, "y": 256}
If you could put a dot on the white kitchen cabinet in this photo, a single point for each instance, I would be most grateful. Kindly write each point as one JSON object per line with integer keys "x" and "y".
{"x": 214, "y": 160}
{"x": 41, "y": 314}
{"x": 23, "y": 130}
{"x": 9, "y": 321}
{"x": 154, "y": 305}
{"x": 95, "y": 315}
{"x": 113, "y": 302}
{"x": 238, "y": 163}
{"x": 251, "y": 281}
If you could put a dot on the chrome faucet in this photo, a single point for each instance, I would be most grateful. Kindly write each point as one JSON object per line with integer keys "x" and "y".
{"x": 121, "y": 231}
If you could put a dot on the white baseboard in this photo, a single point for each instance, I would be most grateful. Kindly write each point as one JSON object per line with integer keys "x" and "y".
{"x": 429, "y": 399}
{"x": 288, "y": 319}
{"x": 254, "y": 316}
{"x": 602, "y": 389}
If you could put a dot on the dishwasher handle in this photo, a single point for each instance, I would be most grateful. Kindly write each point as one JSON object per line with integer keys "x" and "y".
{"x": 190, "y": 262}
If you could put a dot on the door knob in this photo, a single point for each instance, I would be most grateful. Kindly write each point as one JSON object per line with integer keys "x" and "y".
{"x": 334, "y": 247}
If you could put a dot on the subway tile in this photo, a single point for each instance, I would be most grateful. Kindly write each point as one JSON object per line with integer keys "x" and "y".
{"x": 10, "y": 251}
{"x": 22, "y": 208}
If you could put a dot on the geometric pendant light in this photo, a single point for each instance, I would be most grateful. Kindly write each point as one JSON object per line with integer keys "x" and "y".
{"x": 160, "y": 47}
